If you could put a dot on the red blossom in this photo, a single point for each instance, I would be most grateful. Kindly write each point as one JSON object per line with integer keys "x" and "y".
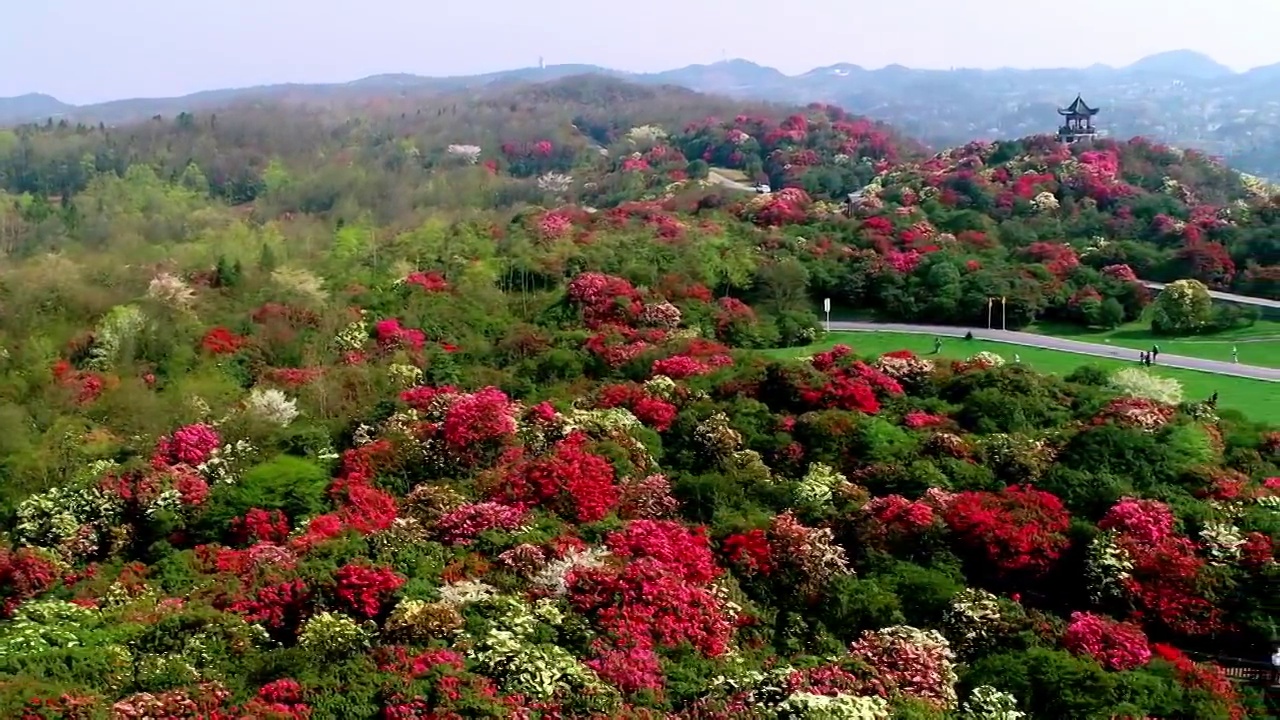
{"x": 364, "y": 589}
{"x": 461, "y": 526}
{"x": 1116, "y": 646}
{"x": 1019, "y": 530}
{"x": 432, "y": 282}
{"x": 24, "y": 574}
{"x": 221, "y": 341}
{"x": 189, "y": 445}
{"x": 568, "y": 480}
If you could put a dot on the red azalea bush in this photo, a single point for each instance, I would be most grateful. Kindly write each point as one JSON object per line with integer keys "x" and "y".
{"x": 843, "y": 383}
{"x": 604, "y": 299}
{"x": 391, "y": 334}
{"x": 569, "y": 480}
{"x": 221, "y": 341}
{"x": 1145, "y": 521}
{"x": 1116, "y": 646}
{"x": 188, "y": 445}
{"x": 24, "y": 574}
{"x": 1165, "y": 580}
{"x": 893, "y": 518}
{"x": 432, "y": 282}
{"x": 1019, "y": 530}
{"x": 660, "y": 597}
{"x": 1203, "y": 676}
{"x": 464, "y": 524}
{"x": 364, "y": 589}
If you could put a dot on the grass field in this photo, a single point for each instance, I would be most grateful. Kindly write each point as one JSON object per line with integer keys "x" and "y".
{"x": 1259, "y": 344}
{"x": 1257, "y": 399}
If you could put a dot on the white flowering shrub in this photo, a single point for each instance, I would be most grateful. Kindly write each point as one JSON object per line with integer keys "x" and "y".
{"x": 1045, "y": 202}
{"x": 1107, "y": 566}
{"x": 332, "y": 634}
{"x": 353, "y": 337}
{"x": 811, "y": 706}
{"x": 41, "y": 625}
{"x": 1141, "y": 383}
{"x": 971, "y": 619}
{"x": 661, "y": 386}
{"x": 120, "y": 327}
{"x": 303, "y": 283}
{"x": 818, "y": 484}
{"x": 508, "y": 651}
{"x": 986, "y": 359}
{"x": 601, "y": 422}
{"x": 469, "y": 153}
{"x": 227, "y": 463}
{"x": 73, "y": 520}
{"x": 404, "y": 375}
{"x": 171, "y": 290}
{"x": 465, "y": 592}
{"x": 646, "y": 134}
{"x": 988, "y": 703}
{"x": 553, "y": 577}
{"x": 271, "y": 405}
{"x": 421, "y": 621}
{"x": 554, "y": 182}
{"x": 1222, "y": 542}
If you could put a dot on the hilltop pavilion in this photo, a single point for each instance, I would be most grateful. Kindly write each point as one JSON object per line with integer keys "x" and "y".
{"x": 1077, "y": 123}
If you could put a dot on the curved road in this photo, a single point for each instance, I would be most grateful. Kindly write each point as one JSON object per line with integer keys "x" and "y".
{"x": 1226, "y": 297}
{"x": 719, "y": 179}
{"x": 1072, "y": 346}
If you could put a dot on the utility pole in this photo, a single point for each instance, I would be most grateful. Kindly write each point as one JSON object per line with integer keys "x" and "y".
{"x": 989, "y": 301}
{"x": 1004, "y": 305}
{"x": 826, "y": 308}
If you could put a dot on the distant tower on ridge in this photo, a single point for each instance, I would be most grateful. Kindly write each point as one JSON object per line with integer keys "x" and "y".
{"x": 1077, "y": 122}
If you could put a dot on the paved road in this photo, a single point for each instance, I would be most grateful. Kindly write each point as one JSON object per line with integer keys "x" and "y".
{"x": 1227, "y": 297}
{"x": 719, "y": 179}
{"x": 1073, "y": 346}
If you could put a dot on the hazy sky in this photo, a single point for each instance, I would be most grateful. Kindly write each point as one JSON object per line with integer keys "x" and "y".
{"x": 93, "y": 50}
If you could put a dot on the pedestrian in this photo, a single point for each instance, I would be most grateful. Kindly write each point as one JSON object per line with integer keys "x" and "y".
{"x": 1235, "y": 354}
{"x": 1155, "y": 353}
{"x": 937, "y": 345}
{"x": 1142, "y": 358}
{"x": 1213, "y": 399}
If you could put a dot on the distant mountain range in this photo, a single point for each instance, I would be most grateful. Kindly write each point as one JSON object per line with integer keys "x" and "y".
{"x": 1181, "y": 97}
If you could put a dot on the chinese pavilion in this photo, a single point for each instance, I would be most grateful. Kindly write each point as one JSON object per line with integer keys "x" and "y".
{"x": 1077, "y": 122}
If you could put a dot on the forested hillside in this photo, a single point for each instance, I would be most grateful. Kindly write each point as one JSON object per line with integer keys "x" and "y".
{"x": 484, "y": 408}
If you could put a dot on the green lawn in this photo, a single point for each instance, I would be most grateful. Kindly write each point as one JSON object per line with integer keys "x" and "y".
{"x": 1259, "y": 344}
{"x": 1257, "y": 399}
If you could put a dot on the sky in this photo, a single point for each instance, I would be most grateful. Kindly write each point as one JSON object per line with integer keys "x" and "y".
{"x": 84, "y": 51}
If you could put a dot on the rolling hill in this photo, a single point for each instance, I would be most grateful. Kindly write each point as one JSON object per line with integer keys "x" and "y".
{"x": 1179, "y": 97}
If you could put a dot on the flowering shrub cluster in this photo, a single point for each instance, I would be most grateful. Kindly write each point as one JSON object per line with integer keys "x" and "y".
{"x": 600, "y": 499}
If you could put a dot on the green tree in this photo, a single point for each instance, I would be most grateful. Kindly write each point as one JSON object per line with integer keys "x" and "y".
{"x": 1182, "y": 307}
{"x": 1110, "y": 313}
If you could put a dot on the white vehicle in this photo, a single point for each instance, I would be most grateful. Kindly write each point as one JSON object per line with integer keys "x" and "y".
{"x": 762, "y": 189}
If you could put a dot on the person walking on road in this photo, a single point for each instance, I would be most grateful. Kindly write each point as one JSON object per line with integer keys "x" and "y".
{"x": 1155, "y": 353}
{"x": 1144, "y": 359}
